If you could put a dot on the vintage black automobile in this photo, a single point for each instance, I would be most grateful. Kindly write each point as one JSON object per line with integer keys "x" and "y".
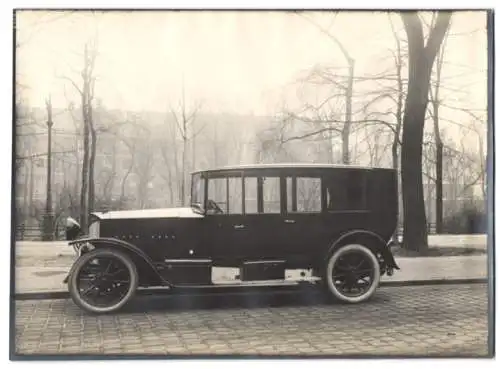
{"x": 334, "y": 221}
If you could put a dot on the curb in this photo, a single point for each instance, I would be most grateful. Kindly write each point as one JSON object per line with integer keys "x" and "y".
{"x": 63, "y": 295}
{"x": 434, "y": 282}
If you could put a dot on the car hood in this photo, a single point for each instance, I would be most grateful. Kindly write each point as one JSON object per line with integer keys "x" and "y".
{"x": 149, "y": 213}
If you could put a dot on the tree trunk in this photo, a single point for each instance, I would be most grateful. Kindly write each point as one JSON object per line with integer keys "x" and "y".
{"x": 193, "y": 147}
{"x": 25, "y": 191}
{"x": 93, "y": 152}
{"x": 439, "y": 185}
{"x": 110, "y": 183}
{"x": 183, "y": 174}
{"x": 439, "y": 143}
{"x": 77, "y": 166}
{"x": 421, "y": 59}
{"x": 85, "y": 176}
{"x": 125, "y": 177}
{"x": 31, "y": 187}
{"x": 395, "y": 166}
{"x": 395, "y": 145}
{"x": 414, "y": 220}
{"x": 346, "y": 129}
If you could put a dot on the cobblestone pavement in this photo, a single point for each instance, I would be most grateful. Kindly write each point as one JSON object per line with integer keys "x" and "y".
{"x": 431, "y": 320}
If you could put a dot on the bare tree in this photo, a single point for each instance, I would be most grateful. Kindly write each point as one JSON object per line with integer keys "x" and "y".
{"x": 347, "y": 88}
{"x": 434, "y": 97}
{"x": 143, "y": 166}
{"x": 87, "y": 93}
{"x": 168, "y": 151}
{"x": 185, "y": 118}
{"x": 421, "y": 60}
{"x": 395, "y": 94}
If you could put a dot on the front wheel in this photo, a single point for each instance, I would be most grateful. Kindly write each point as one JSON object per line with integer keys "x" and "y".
{"x": 352, "y": 273}
{"x": 103, "y": 281}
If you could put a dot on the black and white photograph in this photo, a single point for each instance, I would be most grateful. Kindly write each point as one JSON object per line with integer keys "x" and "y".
{"x": 252, "y": 184}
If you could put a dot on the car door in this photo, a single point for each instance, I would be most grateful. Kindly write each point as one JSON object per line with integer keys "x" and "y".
{"x": 304, "y": 220}
{"x": 248, "y": 228}
{"x": 264, "y": 217}
{"x": 227, "y": 228}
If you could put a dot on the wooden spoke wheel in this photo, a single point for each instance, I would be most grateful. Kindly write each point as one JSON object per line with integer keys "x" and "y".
{"x": 352, "y": 273}
{"x": 103, "y": 280}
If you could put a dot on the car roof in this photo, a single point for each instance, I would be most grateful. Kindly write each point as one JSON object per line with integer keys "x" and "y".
{"x": 290, "y": 166}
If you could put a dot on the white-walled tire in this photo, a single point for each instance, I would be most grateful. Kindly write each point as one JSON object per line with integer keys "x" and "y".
{"x": 341, "y": 276}
{"x": 107, "y": 273}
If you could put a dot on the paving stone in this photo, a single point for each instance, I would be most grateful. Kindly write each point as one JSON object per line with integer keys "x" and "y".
{"x": 438, "y": 320}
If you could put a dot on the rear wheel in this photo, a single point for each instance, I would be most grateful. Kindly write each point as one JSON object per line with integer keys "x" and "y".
{"x": 103, "y": 281}
{"x": 352, "y": 273}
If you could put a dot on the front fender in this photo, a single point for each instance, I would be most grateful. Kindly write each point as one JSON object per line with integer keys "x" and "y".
{"x": 372, "y": 238}
{"x": 137, "y": 254}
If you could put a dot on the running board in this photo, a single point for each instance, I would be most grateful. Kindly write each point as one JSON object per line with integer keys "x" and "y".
{"x": 230, "y": 287}
{"x": 237, "y": 284}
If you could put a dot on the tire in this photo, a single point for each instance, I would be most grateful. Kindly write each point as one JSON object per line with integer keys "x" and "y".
{"x": 84, "y": 261}
{"x": 333, "y": 263}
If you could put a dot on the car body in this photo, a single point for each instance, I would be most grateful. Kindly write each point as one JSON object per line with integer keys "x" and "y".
{"x": 263, "y": 219}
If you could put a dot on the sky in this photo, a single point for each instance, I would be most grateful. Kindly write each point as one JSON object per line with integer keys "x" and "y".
{"x": 231, "y": 61}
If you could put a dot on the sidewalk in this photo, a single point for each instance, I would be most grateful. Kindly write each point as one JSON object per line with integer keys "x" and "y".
{"x": 50, "y": 279}
{"x": 42, "y": 278}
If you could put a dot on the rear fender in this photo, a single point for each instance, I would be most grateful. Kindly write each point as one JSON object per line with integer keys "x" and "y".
{"x": 141, "y": 259}
{"x": 369, "y": 239}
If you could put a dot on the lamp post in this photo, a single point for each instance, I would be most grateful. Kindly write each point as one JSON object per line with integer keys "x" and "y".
{"x": 48, "y": 226}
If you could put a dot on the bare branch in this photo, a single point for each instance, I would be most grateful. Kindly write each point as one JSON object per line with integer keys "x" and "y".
{"x": 317, "y": 132}
{"x": 344, "y": 51}
{"x": 438, "y": 31}
{"x": 73, "y": 83}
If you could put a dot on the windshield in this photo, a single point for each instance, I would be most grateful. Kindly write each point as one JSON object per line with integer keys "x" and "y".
{"x": 198, "y": 192}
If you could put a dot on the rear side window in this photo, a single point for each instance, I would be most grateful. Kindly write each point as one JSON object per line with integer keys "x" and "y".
{"x": 346, "y": 191}
{"x": 303, "y": 196}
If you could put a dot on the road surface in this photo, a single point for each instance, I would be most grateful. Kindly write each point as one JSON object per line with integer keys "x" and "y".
{"x": 430, "y": 320}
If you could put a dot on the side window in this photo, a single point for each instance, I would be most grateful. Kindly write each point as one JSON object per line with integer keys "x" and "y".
{"x": 271, "y": 195}
{"x": 308, "y": 194}
{"x": 251, "y": 200}
{"x": 235, "y": 195}
{"x": 346, "y": 191}
{"x": 227, "y": 194}
{"x": 217, "y": 191}
{"x": 291, "y": 193}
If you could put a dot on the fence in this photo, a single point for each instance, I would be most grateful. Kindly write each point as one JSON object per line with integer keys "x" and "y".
{"x": 35, "y": 233}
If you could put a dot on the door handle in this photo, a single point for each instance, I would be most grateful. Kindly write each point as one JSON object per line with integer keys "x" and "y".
{"x": 239, "y": 226}
{"x": 289, "y": 221}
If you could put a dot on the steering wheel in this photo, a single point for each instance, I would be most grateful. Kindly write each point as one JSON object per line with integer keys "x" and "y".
{"x": 212, "y": 205}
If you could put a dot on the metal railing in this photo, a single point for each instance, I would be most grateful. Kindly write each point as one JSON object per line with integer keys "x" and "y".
{"x": 35, "y": 233}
